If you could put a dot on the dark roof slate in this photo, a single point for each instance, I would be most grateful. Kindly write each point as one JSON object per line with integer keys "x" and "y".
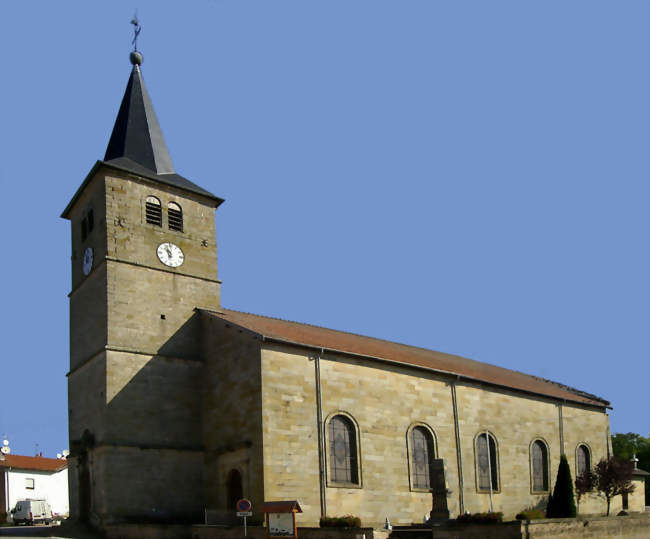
{"x": 137, "y": 145}
{"x": 377, "y": 349}
{"x": 137, "y": 134}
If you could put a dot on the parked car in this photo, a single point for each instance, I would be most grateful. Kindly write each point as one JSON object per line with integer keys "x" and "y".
{"x": 31, "y": 512}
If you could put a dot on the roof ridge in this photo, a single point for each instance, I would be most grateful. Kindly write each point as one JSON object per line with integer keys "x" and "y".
{"x": 350, "y": 333}
{"x": 568, "y": 388}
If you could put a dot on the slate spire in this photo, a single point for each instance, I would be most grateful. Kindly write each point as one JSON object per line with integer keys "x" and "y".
{"x": 136, "y": 135}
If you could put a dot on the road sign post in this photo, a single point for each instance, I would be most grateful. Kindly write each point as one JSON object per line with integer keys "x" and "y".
{"x": 244, "y": 507}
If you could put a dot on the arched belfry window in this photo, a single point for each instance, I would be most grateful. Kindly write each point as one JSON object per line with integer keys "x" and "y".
{"x": 175, "y": 217}
{"x": 343, "y": 450}
{"x": 539, "y": 466}
{"x": 422, "y": 455}
{"x": 87, "y": 223}
{"x": 487, "y": 463}
{"x": 583, "y": 459}
{"x": 153, "y": 211}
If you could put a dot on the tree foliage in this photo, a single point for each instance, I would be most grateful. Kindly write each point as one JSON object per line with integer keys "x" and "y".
{"x": 614, "y": 477}
{"x": 561, "y": 504}
{"x": 585, "y": 482}
{"x": 627, "y": 445}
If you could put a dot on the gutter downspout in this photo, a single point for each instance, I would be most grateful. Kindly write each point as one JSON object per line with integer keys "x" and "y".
{"x": 7, "y": 502}
{"x": 321, "y": 437}
{"x": 487, "y": 442}
{"x": 459, "y": 456}
{"x": 561, "y": 424}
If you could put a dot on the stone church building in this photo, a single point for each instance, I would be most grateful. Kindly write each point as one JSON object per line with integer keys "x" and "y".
{"x": 177, "y": 404}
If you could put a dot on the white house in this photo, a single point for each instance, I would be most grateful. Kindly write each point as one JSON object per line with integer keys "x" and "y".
{"x": 37, "y": 477}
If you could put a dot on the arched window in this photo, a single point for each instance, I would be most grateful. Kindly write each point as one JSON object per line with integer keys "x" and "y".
{"x": 583, "y": 459}
{"x": 487, "y": 462}
{"x": 422, "y": 455}
{"x": 153, "y": 211}
{"x": 343, "y": 450}
{"x": 175, "y": 217}
{"x": 539, "y": 465}
{"x": 87, "y": 223}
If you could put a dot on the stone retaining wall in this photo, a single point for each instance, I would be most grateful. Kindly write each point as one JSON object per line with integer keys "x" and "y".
{"x": 157, "y": 531}
{"x": 630, "y": 527}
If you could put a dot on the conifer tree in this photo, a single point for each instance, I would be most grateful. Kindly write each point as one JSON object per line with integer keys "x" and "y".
{"x": 561, "y": 503}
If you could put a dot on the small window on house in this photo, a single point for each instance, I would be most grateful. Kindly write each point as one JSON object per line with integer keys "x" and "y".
{"x": 422, "y": 455}
{"x": 90, "y": 217}
{"x": 29, "y": 483}
{"x": 84, "y": 229}
{"x": 175, "y": 217}
{"x": 583, "y": 459}
{"x": 343, "y": 450}
{"x": 487, "y": 463}
{"x": 539, "y": 466}
{"x": 153, "y": 211}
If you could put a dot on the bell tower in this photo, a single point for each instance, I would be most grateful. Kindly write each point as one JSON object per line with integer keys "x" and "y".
{"x": 143, "y": 259}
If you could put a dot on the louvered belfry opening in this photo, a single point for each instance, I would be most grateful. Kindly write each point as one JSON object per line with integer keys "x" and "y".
{"x": 153, "y": 211}
{"x": 175, "y": 217}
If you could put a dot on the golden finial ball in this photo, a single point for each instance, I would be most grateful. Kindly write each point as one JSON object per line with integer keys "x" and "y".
{"x": 136, "y": 58}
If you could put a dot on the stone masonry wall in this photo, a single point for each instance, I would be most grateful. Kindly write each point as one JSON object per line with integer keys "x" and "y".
{"x": 232, "y": 413}
{"x": 385, "y": 402}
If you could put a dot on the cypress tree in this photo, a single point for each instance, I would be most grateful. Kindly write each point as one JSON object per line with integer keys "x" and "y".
{"x": 561, "y": 503}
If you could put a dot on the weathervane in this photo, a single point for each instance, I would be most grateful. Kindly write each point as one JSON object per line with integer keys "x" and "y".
{"x": 136, "y": 31}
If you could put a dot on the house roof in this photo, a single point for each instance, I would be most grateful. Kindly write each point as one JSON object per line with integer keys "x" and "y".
{"x": 377, "y": 349}
{"x": 41, "y": 464}
{"x": 288, "y": 506}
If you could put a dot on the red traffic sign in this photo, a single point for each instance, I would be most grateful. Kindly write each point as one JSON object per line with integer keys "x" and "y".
{"x": 244, "y": 505}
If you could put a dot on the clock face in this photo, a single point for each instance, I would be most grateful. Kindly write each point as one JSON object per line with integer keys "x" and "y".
{"x": 88, "y": 260}
{"x": 170, "y": 254}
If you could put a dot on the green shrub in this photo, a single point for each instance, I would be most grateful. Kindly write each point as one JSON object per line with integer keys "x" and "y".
{"x": 480, "y": 518}
{"x": 347, "y": 521}
{"x": 530, "y": 514}
{"x": 561, "y": 504}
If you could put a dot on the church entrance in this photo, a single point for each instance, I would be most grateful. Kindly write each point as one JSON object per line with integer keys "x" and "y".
{"x": 234, "y": 488}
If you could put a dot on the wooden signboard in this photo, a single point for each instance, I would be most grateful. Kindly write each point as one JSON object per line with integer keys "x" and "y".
{"x": 281, "y": 518}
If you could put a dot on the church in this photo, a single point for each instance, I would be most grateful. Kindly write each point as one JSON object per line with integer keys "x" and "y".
{"x": 177, "y": 404}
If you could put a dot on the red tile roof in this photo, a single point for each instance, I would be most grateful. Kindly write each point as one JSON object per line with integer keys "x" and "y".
{"x": 40, "y": 464}
{"x": 377, "y": 349}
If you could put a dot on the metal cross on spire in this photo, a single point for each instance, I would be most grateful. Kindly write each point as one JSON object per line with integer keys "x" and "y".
{"x": 136, "y": 31}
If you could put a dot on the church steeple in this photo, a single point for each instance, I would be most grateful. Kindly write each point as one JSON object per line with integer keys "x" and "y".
{"x": 137, "y": 135}
{"x": 137, "y": 145}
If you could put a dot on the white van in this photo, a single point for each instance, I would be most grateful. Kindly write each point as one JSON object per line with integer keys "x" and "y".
{"x": 31, "y": 511}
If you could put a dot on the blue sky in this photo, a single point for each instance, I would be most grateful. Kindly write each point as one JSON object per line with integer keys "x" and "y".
{"x": 466, "y": 176}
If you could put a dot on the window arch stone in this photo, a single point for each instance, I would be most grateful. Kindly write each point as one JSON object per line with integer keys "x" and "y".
{"x": 343, "y": 453}
{"x": 486, "y": 452}
{"x": 539, "y": 466}
{"x": 421, "y": 450}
